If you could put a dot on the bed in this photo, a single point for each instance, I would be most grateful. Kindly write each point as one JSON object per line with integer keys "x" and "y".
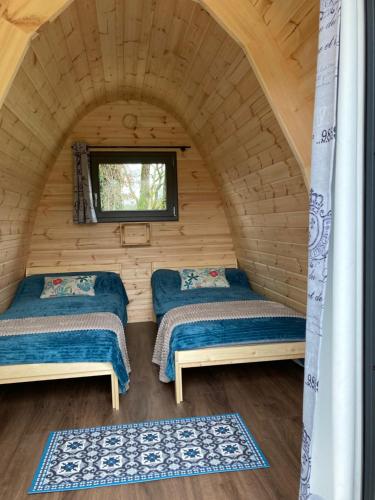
{"x": 66, "y": 337}
{"x": 217, "y": 326}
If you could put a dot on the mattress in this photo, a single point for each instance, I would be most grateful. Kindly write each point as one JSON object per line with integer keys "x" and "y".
{"x": 70, "y": 344}
{"x": 218, "y": 332}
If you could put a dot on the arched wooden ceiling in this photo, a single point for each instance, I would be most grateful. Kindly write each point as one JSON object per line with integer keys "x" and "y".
{"x": 174, "y": 54}
{"x": 278, "y": 37}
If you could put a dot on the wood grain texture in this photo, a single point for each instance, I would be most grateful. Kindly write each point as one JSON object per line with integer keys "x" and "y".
{"x": 279, "y": 39}
{"x": 170, "y": 53}
{"x": 282, "y": 31}
{"x": 200, "y": 237}
{"x": 13, "y": 374}
{"x": 267, "y": 395}
{"x": 19, "y": 21}
{"x": 231, "y": 355}
{"x": 22, "y": 176}
{"x": 261, "y": 184}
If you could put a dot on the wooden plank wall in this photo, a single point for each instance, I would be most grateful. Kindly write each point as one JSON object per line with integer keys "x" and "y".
{"x": 293, "y": 25}
{"x": 24, "y": 163}
{"x": 279, "y": 38}
{"x": 170, "y": 53}
{"x": 200, "y": 237}
{"x": 262, "y": 185}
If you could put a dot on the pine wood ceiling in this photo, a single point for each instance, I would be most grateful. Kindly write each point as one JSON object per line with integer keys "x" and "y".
{"x": 157, "y": 42}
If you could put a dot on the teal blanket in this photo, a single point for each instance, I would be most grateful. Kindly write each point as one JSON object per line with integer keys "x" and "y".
{"x": 110, "y": 296}
{"x": 167, "y": 293}
{"x": 69, "y": 346}
{"x": 167, "y": 296}
{"x": 233, "y": 332}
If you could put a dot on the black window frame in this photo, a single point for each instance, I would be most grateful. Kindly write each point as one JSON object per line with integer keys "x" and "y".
{"x": 167, "y": 157}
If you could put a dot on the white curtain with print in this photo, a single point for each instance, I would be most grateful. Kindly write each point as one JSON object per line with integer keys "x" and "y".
{"x": 331, "y": 444}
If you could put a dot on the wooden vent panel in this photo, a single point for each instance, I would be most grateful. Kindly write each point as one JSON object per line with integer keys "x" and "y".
{"x": 135, "y": 235}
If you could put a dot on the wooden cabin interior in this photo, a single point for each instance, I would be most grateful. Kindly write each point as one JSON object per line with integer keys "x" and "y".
{"x": 231, "y": 81}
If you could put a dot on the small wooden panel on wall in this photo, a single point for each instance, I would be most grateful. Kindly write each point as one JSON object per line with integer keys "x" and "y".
{"x": 135, "y": 235}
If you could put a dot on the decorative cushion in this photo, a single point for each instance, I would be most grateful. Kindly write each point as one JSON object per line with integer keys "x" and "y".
{"x": 63, "y": 286}
{"x": 210, "y": 277}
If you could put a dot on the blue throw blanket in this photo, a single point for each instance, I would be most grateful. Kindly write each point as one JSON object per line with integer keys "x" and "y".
{"x": 231, "y": 332}
{"x": 167, "y": 293}
{"x": 110, "y": 296}
{"x": 69, "y": 346}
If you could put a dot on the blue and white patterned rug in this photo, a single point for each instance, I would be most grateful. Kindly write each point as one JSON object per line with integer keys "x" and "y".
{"x": 121, "y": 454}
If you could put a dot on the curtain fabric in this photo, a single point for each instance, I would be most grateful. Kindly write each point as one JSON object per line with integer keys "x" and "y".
{"x": 83, "y": 209}
{"x": 323, "y": 161}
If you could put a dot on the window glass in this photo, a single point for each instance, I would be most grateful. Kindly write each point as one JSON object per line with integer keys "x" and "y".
{"x": 134, "y": 186}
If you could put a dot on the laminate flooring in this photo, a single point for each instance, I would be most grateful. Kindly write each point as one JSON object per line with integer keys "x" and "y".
{"x": 267, "y": 395}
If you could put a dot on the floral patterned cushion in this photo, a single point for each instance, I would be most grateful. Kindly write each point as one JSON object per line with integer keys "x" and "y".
{"x": 63, "y": 286}
{"x": 209, "y": 277}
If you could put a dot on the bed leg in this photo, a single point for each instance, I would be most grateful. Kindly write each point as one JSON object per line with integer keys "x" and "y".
{"x": 178, "y": 383}
{"x": 115, "y": 392}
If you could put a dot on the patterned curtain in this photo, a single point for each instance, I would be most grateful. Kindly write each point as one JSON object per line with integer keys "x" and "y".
{"x": 83, "y": 210}
{"x": 323, "y": 161}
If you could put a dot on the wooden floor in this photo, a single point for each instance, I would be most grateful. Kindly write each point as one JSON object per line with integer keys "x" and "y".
{"x": 267, "y": 395}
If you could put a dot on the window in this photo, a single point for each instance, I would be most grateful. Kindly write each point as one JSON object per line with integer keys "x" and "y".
{"x": 134, "y": 186}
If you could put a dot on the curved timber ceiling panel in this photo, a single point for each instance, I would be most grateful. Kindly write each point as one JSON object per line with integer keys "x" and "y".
{"x": 174, "y": 54}
{"x": 279, "y": 38}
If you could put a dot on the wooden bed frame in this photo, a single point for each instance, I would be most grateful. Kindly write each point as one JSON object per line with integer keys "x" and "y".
{"x": 229, "y": 355}
{"x": 233, "y": 355}
{"x": 12, "y": 374}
